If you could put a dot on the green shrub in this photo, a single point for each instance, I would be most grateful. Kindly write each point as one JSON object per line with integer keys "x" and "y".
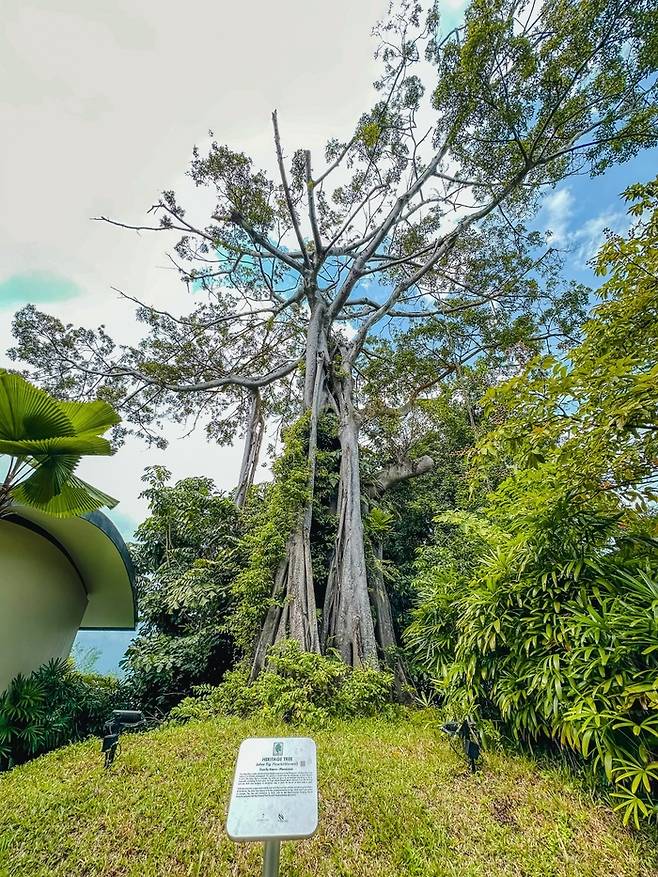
{"x": 53, "y": 706}
{"x": 554, "y": 632}
{"x": 297, "y": 687}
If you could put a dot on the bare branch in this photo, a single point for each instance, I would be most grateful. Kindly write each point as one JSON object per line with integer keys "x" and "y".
{"x": 384, "y": 479}
{"x": 286, "y": 189}
{"x": 336, "y": 162}
{"x": 312, "y": 213}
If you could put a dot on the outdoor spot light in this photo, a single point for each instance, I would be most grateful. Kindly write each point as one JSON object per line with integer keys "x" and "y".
{"x": 467, "y": 732}
{"x": 122, "y": 720}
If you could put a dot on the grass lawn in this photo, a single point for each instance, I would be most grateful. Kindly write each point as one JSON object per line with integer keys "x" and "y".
{"x": 394, "y": 800}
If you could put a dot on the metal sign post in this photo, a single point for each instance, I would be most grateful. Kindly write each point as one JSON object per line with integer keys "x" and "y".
{"x": 274, "y": 795}
{"x": 271, "y": 852}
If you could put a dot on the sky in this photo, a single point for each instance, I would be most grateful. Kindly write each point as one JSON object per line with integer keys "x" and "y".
{"x": 100, "y": 105}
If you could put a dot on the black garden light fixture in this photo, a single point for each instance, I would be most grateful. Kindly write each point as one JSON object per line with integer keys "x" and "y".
{"x": 122, "y": 720}
{"x": 466, "y": 732}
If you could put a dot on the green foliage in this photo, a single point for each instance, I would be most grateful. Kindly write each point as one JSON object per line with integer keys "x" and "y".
{"x": 552, "y": 628}
{"x": 44, "y": 440}
{"x": 265, "y": 542}
{"x": 275, "y": 516}
{"x": 298, "y": 687}
{"x": 187, "y": 556}
{"x": 205, "y": 571}
{"x": 444, "y": 569}
{"x": 53, "y": 706}
{"x": 593, "y": 413}
{"x": 586, "y": 71}
{"x": 443, "y": 427}
{"x": 370, "y": 134}
{"x": 543, "y": 611}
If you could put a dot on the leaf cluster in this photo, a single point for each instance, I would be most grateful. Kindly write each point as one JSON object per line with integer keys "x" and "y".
{"x": 297, "y": 687}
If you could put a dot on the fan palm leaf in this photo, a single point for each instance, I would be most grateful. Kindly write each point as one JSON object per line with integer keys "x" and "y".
{"x": 94, "y": 417}
{"x": 45, "y": 440}
{"x": 76, "y": 497}
{"x": 28, "y": 412}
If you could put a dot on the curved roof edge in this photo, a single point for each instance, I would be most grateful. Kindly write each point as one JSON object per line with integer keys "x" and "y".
{"x": 98, "y": 553}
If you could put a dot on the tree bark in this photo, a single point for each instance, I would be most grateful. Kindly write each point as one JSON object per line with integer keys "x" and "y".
{"x": 396, "y": 472}
{"x": 347, "y": 620}
{"x": 293, "y": 612}
{"x": 253, "y": 441}
{"x": 384, "y": 628}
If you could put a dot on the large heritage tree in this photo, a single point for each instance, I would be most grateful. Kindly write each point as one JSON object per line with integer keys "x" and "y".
{"x": 411, "y": 231}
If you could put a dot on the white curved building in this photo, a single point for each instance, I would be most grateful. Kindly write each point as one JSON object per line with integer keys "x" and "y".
{"x": 57, "y": 576}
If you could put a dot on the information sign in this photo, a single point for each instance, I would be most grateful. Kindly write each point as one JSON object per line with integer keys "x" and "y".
{"x": 275, "y": 790}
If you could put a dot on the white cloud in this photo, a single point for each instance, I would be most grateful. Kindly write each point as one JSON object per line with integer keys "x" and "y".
{"x": 100, "y": 106}
{"x": 585, "y": 237}
{"x": 591, "y": 233}
{"x": 558, "y": 210}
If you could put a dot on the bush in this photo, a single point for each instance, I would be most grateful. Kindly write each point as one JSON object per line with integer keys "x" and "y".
{"x": 53, "y": 706}
{"x": 297, "y": 687}
{"x": 554, "y": 631}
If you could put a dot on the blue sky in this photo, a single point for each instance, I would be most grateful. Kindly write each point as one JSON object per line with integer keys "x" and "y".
{"x": 36, "y": 287}
{"x": 580, "y": 209}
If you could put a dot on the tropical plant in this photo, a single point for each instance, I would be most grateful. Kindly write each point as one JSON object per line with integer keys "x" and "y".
{"x": 296, "y": 686}
{"x": 43, "y": 440}
{"x": 51, "y": 707}
{"x": 553, "y": 630}
{"x": 186, "y": 556}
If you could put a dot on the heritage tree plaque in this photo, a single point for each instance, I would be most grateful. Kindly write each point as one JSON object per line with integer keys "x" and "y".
{"x": 275, "y": 790}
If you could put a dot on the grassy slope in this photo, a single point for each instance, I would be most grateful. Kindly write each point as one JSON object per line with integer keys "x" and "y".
{"x": 394, "y": 801}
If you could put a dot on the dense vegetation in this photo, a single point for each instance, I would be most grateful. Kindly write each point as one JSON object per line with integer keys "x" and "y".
{"x": 296, "y": 687}
{"x": 53, "y": 706}
{"x": 186, "y": 558}
{"x": 540, "y": 608}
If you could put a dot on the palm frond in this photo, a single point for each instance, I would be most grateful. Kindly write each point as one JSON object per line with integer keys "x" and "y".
{"x": 94, "y": 417}
{"x": 26, "y": 410}
{"x": 76, "y": 497}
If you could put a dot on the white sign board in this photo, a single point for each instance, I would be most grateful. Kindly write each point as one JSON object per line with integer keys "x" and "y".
{"x": 275, "y": 790}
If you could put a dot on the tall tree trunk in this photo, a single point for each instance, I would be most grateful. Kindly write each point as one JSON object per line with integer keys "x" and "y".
{"x": 253, "y": 441}
{"x": 293, "y": 613}
{"x": 347, "y": 620}
{"x": 384, "y": 628}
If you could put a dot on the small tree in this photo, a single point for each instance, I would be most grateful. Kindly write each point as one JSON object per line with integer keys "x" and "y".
{"x": 416, "y": 218}
{"x": 186, "y": 558}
